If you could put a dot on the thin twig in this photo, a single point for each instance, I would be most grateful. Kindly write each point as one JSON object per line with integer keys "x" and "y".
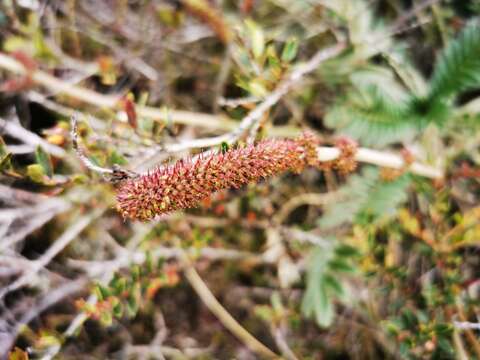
{"x": 111, "y": 101}
{"x": 381, "y": 158}
{"x": 94, "y": 268}
{"x": 223, "y": 315}
{"x": 233, "y": 103}
{"x": 407, "y": 16}
{"x": 281, "y": 341}
{"x": 17, "y": 131}
{"x": 365, "y": 155}
{"x": 81, "y": 153}
{"x": 51, "y": 298}
{"x": 44, "y": 213}
{"x": 68, "y": 236}
{"x": 114, "y": 175}
{"x": 465, "y": 325}
{"x": 303, "y": 199}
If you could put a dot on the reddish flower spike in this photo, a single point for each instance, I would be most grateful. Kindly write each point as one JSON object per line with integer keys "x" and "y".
{"x": 186, "y": 183}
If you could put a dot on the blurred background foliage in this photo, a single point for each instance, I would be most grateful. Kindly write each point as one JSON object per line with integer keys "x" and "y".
{"x": 381, "y": 264}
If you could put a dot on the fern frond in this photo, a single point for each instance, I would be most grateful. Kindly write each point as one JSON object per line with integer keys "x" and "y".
{"x": 425, "y": 110}
{"x": 458, "y": 68}
{"x": 324, "y": 281}
{"x": 372, "y": 117}
{"x": 366, "y": 194}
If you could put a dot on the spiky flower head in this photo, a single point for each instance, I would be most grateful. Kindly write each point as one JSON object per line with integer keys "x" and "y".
{"x": 186, "y": 183}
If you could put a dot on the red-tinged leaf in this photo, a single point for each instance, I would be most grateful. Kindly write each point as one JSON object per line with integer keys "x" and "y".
{"x": 16, "y": 85}
{"x": 247, "y": 6}
{"x": 129, "y": 108}
{"x": 17, "y": 354}
{"x": 29, "y": 63}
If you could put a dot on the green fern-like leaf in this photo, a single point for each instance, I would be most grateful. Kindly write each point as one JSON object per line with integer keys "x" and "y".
{"x": 366, "y": 194}
{"x": 458, "y": 68}
{"x": 317, "y": 302}
{"x": 324, "y": 281}
{"x": 424, "y": 110}
{"x": 372, "y": 117}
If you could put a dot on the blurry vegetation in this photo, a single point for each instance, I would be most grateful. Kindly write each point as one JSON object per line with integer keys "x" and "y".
{"x": 379, "y": 264}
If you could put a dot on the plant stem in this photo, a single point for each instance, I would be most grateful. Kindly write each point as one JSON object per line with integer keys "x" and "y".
{"x": 219, "y": 311}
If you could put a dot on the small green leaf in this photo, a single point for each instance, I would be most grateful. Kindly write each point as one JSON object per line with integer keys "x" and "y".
{"x": 79, "y": 179}
{"x": 136, "y": 272}
{"x": 160, "y": 263}
{"x": 324, "y": 313}
{"x": 316, "y": 301}
{"x": 14, "y": 43}
{"x": 257, "y": 89}
{"x": 106, "y": 318}
{"x": 333, "y": 284}
{"x": 341, "y": 265}
{"x": 346, "y": 251}
{"x": 116, "y": 158}
{"x": 102, "y": 292}
{"x": 5, "y": 156}
{"x": 3, "y": 148}
{"x": 290, "y": 50}
{"x": 117, "y": 310}
{"x": 36, "y": 173}
{"x": 443, "y": 329}
{"x": 277, "y": 302}
{"x": 44, "y": 160}
{"x": 120, "y": 286}
{"x": 257, "y": 38}
{"x": 264, "y": 312}
{"x": 6, "y": 162}
{"x": 132, "y": 305}
{"x": 149, "y": 262}
{"x": 224, "y": 147}
{"x": 272, "y": 56}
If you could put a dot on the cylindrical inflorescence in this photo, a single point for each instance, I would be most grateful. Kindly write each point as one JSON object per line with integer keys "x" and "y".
{"x": 185, "y": 183}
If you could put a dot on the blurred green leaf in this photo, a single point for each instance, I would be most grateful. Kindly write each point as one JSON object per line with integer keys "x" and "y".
{"x": 346, "y": 250}
{"x": 5, "y": 157}
{"x": 257, "y": 38}
{"x": 257, "y": 88}
{"x": 132, "y": 305}
{"x": 290, "y": 50}
{"x": 116, "y": 158}
{"x": 44, "y": 160}
{"x": 3, "y": 148}
{"x": 316, "y": 301}
{"x": 106, "y": 318}
{"x": 341, "y": 265}
{"x": 333, "y": 284}
{"x": 117, "y": 310}
{"x": 6, "y": 162}
{"x": 224, "y": 147}
{"x": 102, "y": 292}
{"x": 36, "y": 172}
